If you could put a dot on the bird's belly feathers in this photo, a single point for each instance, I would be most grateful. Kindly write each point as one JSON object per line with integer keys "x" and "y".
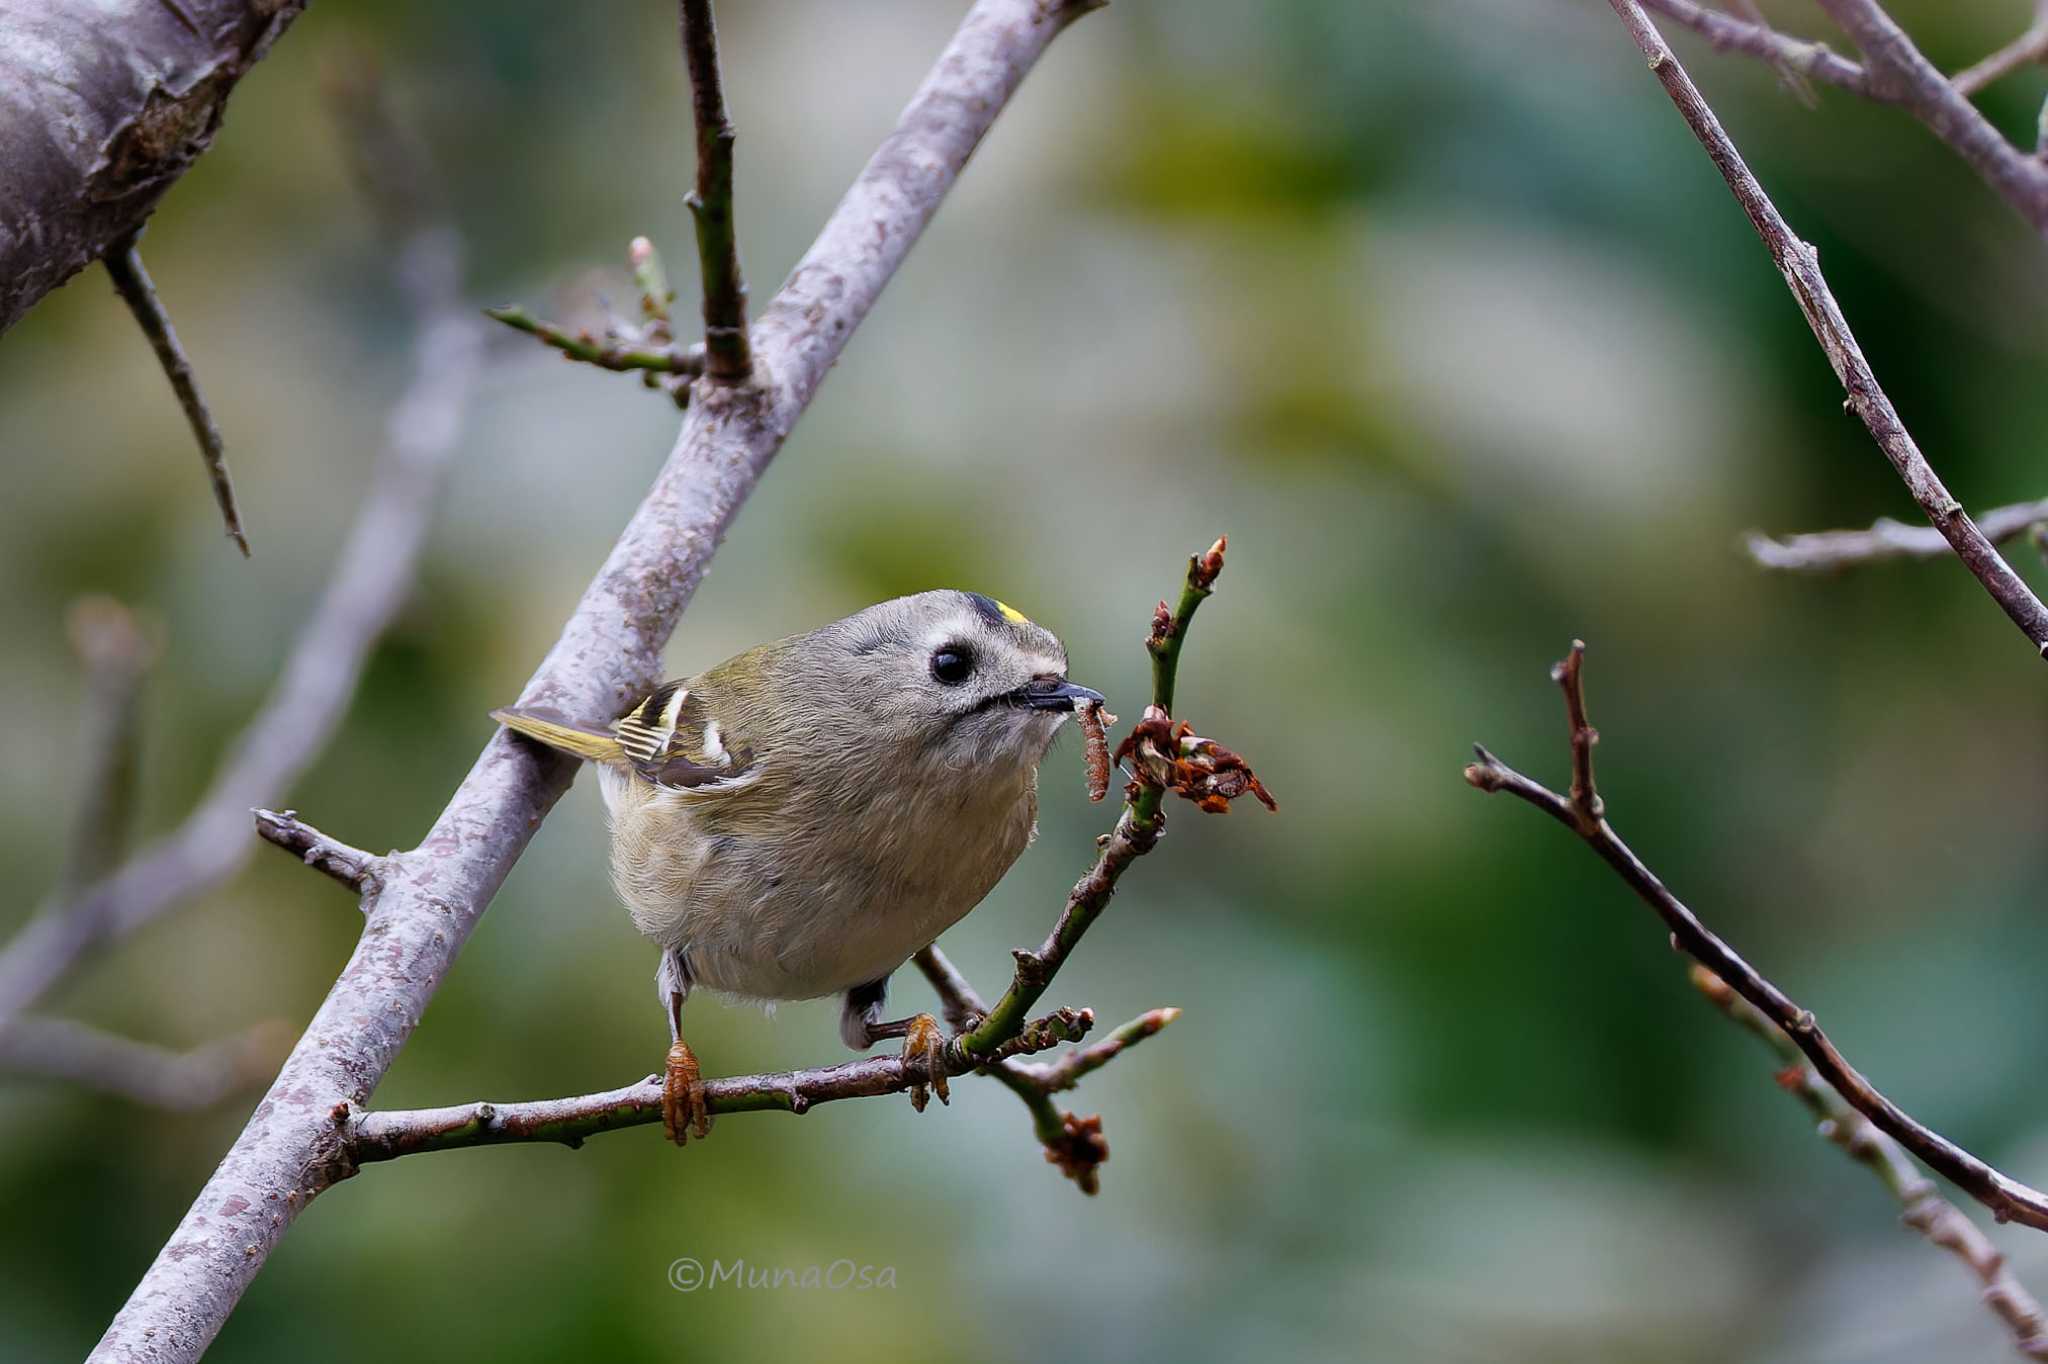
{"x": 754, "y": 920}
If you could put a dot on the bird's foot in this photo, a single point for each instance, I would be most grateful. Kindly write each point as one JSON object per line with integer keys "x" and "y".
{"x": 924, "y": 1043}
{"x": 684, "y": 1110}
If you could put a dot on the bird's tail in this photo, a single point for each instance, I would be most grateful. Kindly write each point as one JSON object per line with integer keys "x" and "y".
{"x": 583, "y": 743}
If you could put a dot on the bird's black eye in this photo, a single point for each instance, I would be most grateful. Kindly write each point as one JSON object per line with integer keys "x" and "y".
{"x": 952, "y": 664}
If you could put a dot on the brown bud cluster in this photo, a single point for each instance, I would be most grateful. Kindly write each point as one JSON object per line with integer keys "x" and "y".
{"x": 1171, "y": 757}
{"x": 1080, "y": 1150}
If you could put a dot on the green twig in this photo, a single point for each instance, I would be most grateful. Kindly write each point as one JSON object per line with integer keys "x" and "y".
{"x": 585, "y": 347}
{"x": 124, "y": 265}
{"x": 1136, "y": 833}
{"x": 728, "y": 358}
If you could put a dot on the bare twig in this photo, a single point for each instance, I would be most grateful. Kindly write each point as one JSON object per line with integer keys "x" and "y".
{"x": 352, "y": 867}
{"x": 117, "y": 653}
{"x": 124, "y": 264}
{"x": 727, "y": 357}
{"x": 180, "y": 1082}
{"x": 609, "y": 651}
{"x": 1924, "y": 1209}
{"x": 2007, "y": 1198}
{"x": 2028, "y": 48}
{"x": 1800, "y": 265}
{"x": 1827, "y": 550}
{"x": 1730, "y": 34}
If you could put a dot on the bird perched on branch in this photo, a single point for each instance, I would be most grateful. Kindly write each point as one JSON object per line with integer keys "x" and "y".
{"x": 797, "y": 821}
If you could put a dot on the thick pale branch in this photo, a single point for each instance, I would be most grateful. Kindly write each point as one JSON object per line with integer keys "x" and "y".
{"x": 1800, "y": 265}
{"x": 1924, "y": 1209}
{"x": 2007, "y": 1198}
{"x": 1824, "y": 551}
{"x": 609, "y": 653}
{"x": 727, "y": 356}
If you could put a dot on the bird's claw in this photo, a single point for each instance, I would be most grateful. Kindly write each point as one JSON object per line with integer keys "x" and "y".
{"x": 925, "y": 1045}
{"x": 684, "y": 1110}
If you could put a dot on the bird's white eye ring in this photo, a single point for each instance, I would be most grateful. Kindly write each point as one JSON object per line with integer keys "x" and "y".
{"x": 952, "y": 664}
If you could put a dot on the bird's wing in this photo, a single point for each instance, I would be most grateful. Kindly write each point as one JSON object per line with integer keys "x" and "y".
{"x": 672, "y": 739}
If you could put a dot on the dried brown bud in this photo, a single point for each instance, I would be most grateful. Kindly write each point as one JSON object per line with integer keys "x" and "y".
{"x": 1080, "y": 1150}
{"x": 1203, "y": 568}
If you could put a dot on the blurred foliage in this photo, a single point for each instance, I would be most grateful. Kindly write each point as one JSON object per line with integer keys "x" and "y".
{"x": 1440, "y": 313}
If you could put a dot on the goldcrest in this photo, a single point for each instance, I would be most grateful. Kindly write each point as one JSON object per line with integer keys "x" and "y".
{"x": 800, "y": 820}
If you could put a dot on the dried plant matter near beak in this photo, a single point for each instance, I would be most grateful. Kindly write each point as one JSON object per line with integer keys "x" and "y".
{"x": 1092, "y": 717}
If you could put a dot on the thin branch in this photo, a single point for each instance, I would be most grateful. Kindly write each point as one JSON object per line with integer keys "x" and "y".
{"x": 2025, "y": 50}
{"x": 371, "y": 581}
{"x": 2007, "y": 1198}
{"x": 352, "y": 867}
{"x": 1924, "y": 1209}
{"x": 124, "y": 264}
{"x": 387, "y": 1135}
{"x": 727, "y": 356}
{"x": 1730, "y": 34}
{"x": 1800, "y": 265}
{"x": 117, "y": 653}
{"x": 180, "y": 1082}
{"x": 609, "y": 651}
{"x": 1825, "y": 551}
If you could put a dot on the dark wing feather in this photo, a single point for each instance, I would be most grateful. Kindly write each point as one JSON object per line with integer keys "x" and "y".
{"x": 671, "y": 739}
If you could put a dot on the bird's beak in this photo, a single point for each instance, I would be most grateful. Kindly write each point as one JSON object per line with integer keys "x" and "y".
{"x": 1053, "y": 693}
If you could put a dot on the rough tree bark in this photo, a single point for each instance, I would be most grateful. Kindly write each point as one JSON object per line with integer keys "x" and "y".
{"x": 422, "y": 904}
{"x": 102, "y": 108}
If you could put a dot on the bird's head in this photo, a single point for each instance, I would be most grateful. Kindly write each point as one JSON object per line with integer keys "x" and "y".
{"x": 956, "y": 677}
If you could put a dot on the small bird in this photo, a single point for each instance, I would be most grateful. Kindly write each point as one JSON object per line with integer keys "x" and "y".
{"x": 800, "y": 820}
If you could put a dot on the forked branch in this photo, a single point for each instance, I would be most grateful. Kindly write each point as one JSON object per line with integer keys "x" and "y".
{"x": 1799, "y": 263}
{"x": 2007, "y": 1198}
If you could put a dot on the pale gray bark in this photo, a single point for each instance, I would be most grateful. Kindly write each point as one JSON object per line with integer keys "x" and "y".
{"x": 103, "y": 106}
{"x": 423, "y": 903}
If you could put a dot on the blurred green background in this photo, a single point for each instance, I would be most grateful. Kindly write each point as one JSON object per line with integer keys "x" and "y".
{"x": 1438, "y": 311}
